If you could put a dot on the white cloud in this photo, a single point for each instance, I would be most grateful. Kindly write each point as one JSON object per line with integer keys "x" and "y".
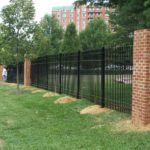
{"x": 43, "y": 6}
{"x": 3, "y": 3}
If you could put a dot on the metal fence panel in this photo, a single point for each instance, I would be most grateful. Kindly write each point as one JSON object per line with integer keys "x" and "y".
{"x": 69, "y": 68}
{"x": 90, "y": 75}
{"x": 39, "y": 73}
{"x": 118, "y": 78}
{"x": 102, "y": 76}
{"x": 53, "y": 66}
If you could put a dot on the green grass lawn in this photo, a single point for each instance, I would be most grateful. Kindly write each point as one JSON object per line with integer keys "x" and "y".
{"x": 31, "y": 122}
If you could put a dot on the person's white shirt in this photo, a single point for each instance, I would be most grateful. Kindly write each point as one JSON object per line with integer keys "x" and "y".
{"x": 4, "y": 73}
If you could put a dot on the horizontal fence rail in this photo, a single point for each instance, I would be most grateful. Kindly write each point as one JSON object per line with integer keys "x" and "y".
{"x": 103, "y": 76}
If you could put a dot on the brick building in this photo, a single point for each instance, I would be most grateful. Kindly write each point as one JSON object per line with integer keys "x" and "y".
{"x": 80, "y": 16}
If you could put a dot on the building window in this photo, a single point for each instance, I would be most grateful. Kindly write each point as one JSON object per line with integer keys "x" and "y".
{"x": 84, "y": 9}
{"x": 91, "y": 9}
{"x": 91, "y": 14}
{"x": 64, "y": 15}
{"x": 72, "y": 14}
{"x": 71, "y": 20}
{"x": 84, "y": 14}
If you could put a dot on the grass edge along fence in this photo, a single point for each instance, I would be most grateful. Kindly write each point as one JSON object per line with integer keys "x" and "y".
{"x": 103, "y": 76}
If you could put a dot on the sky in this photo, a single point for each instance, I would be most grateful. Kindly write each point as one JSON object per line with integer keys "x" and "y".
{"x": 42, "y": 6}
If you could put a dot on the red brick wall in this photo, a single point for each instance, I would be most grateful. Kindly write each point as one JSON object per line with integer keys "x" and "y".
{"x": 141, "y": 78}
{"x": 27, "y": 70}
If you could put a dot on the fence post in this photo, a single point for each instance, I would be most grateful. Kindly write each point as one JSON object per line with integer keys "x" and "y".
{"x": 103, "y": 76}
{"x": 1, "y": 70}
{"x": 60, "y": 71}
{"x": 141, "y": 78}
{"x": 27, "y": 71}
{"x": 78, "y": 75}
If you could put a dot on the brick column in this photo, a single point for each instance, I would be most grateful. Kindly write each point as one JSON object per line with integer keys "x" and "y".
{"x": 1, "y": 70}
{"x": 27, "y": 69}
{"x": 141, "y": 78}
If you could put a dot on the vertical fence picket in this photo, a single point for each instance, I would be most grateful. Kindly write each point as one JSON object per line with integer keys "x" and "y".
{"x": 60, "y": 72}
{"x": 47, "y": 72}
{"x": 38, "y": 75}
{"x": 78, "y": 75}
{"x": 103, "y": 77}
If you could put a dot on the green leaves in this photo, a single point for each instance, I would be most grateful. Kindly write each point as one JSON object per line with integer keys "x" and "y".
{"x": 147, "y": 12}
{"x": 71, "y": 41}
{"x": 17, "y": 27}
{"x": 95, "y": 35}
{"x": 127, "y": 16}
{"x": 48, "y": 36}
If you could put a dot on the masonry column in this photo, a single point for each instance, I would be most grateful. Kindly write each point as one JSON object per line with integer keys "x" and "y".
{"x": 1, "y": 70}
{"x": 27, "y": 70}
{"x": 141, "y": 78}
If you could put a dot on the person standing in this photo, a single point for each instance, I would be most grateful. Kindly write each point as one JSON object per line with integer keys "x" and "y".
{"x": 4, "y": 74}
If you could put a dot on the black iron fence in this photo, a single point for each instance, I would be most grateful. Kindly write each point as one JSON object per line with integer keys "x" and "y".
{"x": 12, "y": 73}
{"x": 103, "y": 76}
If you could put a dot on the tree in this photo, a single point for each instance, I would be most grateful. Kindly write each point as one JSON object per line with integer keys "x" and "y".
{"x": 95, "y": 35}
{"x": 96, "y": 2}
{"x": 41, "y": 43}
{"x": 48, "y": 36}
{"x": 127, "y": 16}
{"x": 71, "y": 41}
{"x": 56, "y": 34}
{"x": 17, "y": 28}
{"x": 147, "y": 12}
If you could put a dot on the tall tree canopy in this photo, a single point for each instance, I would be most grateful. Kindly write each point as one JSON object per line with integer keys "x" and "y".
{"x": 127, "y": 16}
{"x": 17, "y": 28}
{"x": 48, "y": 36}
{"x": 71, "y": 39}
{"x": 95, "y": 35}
